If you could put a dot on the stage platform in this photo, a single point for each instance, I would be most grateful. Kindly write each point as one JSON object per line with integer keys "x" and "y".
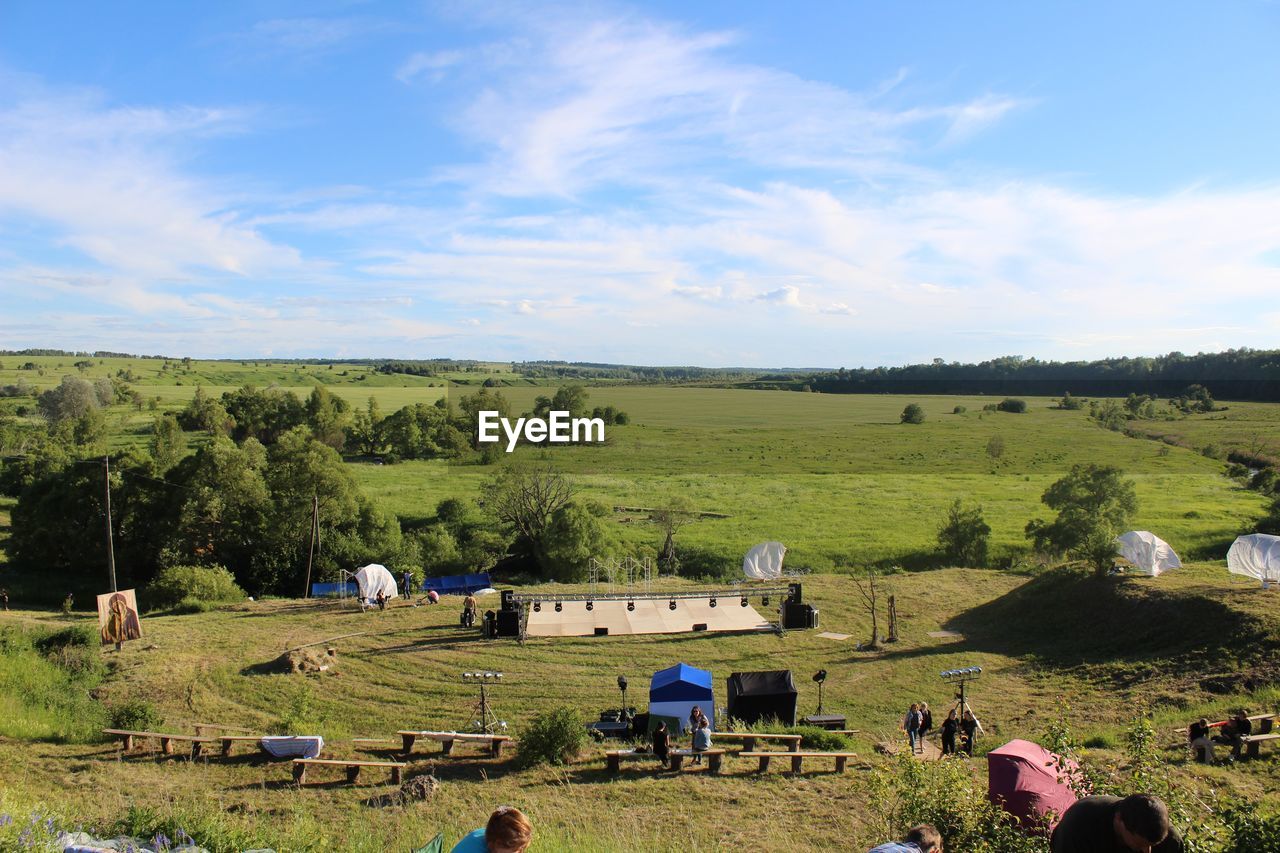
{"x": 649, "y": 617}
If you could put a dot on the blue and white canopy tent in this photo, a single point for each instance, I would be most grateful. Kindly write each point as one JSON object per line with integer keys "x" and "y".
{"x": 674, "y": 691}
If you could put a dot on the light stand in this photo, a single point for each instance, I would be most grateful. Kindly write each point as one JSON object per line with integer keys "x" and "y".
{"x": 622, "y": 685}
{"x": 482, "y": 716}
{"x": 962, "y": 677}
{"x": 820, "y": 676}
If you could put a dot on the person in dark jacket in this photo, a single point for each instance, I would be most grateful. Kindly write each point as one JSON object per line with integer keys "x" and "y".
{"x": 950, "y": 726}
{"x": 1136, "y": 824}
{"x": 662, "y": 743}
{"x": 968, "y": 730}
{"x": 1198, "y": 737}
{"x": 926, "y": 721}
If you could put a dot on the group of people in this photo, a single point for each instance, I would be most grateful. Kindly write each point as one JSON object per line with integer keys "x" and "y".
{"x": 918, "y": 722}
{"x": 1231, "y": 732}
{"x": 700, "y": 731}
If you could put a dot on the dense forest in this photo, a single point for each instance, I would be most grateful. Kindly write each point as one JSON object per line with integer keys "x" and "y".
{"x": 1242, "y": 374}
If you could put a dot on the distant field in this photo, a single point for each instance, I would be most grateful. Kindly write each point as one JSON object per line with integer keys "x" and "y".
{"x": 835, "y": 477}
{"x": 839, "y": 480}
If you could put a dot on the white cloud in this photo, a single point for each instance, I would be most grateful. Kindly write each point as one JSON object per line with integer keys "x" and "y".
{"x": 433, "y": 64}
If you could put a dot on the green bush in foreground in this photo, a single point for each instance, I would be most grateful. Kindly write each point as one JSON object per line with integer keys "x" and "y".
{"x": 912, "y": 414}
{"x": 136, "y": 715}
{"x": 208, "y": 584}
{"x": 554, "y": 737}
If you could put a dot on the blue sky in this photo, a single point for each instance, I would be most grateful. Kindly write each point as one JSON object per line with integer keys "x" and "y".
{"x": 808, "y": 184}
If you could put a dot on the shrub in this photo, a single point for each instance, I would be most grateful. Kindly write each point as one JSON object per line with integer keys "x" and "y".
{"x": 912, "y": 414}
{"x": 553, "y": 737}
{"x": 209, "y": 584}
{"x": 708, "y": 565}
{"x": 959, "y": 410}
{"x": 963, "y": 537}
{"x": 137, "y": 715}
{"x": 74, "y": 635}
{"x": 812, "y": 737}
{"x": 1009, "y": 404}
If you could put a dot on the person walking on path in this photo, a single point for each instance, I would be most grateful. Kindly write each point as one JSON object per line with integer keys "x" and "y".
{"x": 911, "y": 725}
{"x": 950, "y": 726}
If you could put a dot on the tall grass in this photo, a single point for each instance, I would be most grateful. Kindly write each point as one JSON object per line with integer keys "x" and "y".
{"x": 45, "y": 679}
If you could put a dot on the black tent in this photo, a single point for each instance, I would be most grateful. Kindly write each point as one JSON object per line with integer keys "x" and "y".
{"x": 755, "y": 696}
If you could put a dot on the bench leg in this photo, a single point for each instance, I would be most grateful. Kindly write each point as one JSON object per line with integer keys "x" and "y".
{"x": 840, "y": 762}
{"x": 1251, "y": 749}
{"x": 196, "y": 749}
{"x": 226, "y": 747}
{"x": 794, "y": 747}
{"x": 353, "y": 773}
{"x": 408, "y": 743}
{"x": 446, "y": 747}
{"x": 495, "y": 748}
{"x": 796, "y": 761}
{"x": 713, "y": 763}
{"x": 128, "y": 743}
{"x": 748, "y": 744}
{"x": 300, "y": 774}
{"x": 614, "y": 763}
{"x": 166, "y": 745}
{"x": 764, "y": 764}
{"x": 1264, "y": 726}
{"x": 395, "y": 775}
{"x": 677, "y": 761}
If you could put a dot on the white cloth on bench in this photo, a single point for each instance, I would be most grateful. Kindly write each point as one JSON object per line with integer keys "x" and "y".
{"x": 290, "y": 746}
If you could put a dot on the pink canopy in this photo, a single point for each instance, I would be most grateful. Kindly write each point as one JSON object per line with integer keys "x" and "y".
{"x": 1025, "y": 780}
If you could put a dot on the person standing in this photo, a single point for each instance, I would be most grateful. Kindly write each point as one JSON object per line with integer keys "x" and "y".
{"x": 662, "y": 743}
{"x": 1104, "y": 824}
{"x": 508, "y": 831}
{"x": 406, "y": 580}
{"x": 950, "y": 726}
{"x": 4, "y": 597}
{"x": 911, "y": 725}
{"x": 926, "y": 722}
{"x": 469, "y": 606}
{"x": 968, "y": 730}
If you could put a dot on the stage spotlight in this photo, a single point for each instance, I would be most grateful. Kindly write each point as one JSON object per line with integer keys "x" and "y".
{"x": 713, "y": 602}
{"x": 537, "y": 607}
{"x": 590, "y": 606}
{"x": 672, "y": 605}
{"x": 820, "y": 676}
{"x": 744, "y": 601}
{"x": 764, "y": 601}
{"x": 622, "y": 682}
{"x": 559, "y": 607}
{"x": 631, "y": 605}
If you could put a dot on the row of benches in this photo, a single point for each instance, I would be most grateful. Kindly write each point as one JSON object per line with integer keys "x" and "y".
{"x": 715, "y": 758}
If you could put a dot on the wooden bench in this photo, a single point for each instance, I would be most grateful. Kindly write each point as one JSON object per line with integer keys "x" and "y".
{"x": 749, "y": 739}
{"x": 447, "y": 739}
{"x": 1251, "y": 742}
{"x": 1264, "y": 721}
{"x": 230, "y": 740}
{"x": 300, "y": 766}
{"x": 166, "y": 739}
{"x": 797, "y": 758}
{"x": 715, "y": 758}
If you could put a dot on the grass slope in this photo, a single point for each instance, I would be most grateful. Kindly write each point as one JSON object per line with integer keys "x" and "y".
{"x": 1107, "y": 646}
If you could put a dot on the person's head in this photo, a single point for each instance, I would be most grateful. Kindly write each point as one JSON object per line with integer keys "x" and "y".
{"x": 508, "y": 831}
{"x": 1204, "y": 722}
{"x": 704, "y": 723}
{"x": 662, "y": 726}
{"x": 951, "y": 715}
{"x": 968, "y": 715}
{"x": 924, "y": 706}
{"x": 915, "y": 706}
{"x": 926, "y": 837}
{"x": 1141, "y": 822}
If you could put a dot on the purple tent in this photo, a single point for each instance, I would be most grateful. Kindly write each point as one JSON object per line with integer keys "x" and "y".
{"x": 1025, "y": 780}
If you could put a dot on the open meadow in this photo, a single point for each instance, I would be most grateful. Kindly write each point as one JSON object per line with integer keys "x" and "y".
{"x": 837, "y": 478}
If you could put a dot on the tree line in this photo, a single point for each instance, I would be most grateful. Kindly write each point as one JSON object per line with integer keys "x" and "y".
{"x": 1240, "y": 374}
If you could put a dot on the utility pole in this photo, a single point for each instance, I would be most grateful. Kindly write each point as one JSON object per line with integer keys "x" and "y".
{"x": 315, "y": 530}
{"x": 111, "y": 550}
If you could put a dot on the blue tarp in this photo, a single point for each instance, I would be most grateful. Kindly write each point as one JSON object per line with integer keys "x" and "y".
{"x": 320, "y": 590}
{"x": 456, "y": 584}
{"x": 680, "y": 683}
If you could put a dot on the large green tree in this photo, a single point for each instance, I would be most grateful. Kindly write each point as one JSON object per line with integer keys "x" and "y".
{"x": 1094, "y": 504}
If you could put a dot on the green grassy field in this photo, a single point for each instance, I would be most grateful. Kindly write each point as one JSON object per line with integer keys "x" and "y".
{"x": 835, "y": 477}
{"x": 1180, "y": 644}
